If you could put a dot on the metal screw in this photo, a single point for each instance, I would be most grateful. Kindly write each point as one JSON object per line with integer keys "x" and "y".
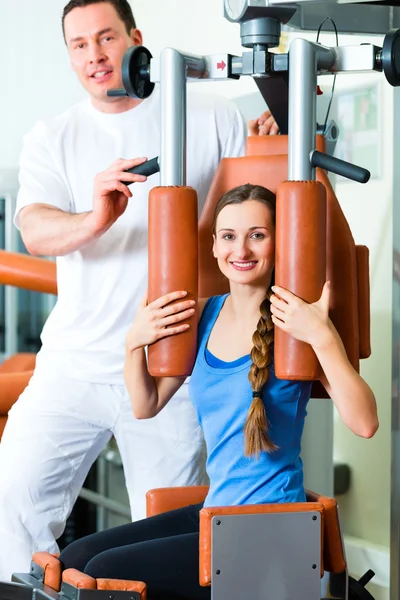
{"x": 218, "y": 522}
{"x": 314, "y": 518}
{"x": 314, "y": 566}
{"x": 218, "y": 572}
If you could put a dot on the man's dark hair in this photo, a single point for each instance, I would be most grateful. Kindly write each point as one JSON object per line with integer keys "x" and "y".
{"x": 122, "y": 7}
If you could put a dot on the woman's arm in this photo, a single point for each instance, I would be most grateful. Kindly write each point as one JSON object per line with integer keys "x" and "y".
{"x": 310, "y": 323}
{"x": 153, "y": 322}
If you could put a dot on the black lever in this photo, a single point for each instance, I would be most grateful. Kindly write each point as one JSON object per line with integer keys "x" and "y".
{"x": 147, "y": 168}
{"x": 120, "y": 92}
{"x": 340, "y": 167}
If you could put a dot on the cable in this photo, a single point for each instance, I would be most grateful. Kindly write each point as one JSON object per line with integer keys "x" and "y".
{"x": 334, "y": 76}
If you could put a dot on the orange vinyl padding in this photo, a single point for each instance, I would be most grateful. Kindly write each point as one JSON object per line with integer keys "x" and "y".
{"x": 362, "y": 254}
{"x": 267, "y": 145}
{"x": 35, "y": 274}
{"x": 15, "y": 373}
{"x": 28, "y": 272}
{"x": 81, "y": 581}
{"x": 300, "y": 266}
{"x": 52, "y": 569}
{"x": 11, "y": 387}
{"x": 163, "y": 499}
{"x": 349, "y": 307}
{"x": 173, "y": 250}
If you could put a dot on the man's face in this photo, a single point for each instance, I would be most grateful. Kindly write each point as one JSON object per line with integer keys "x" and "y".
{"x": 97, "y": 41}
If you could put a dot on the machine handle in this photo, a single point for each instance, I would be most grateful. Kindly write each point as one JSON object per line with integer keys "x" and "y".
{"x": 147, "y": 168}
{"x": 117, "y": 93}
{"x": 340, "y": 167}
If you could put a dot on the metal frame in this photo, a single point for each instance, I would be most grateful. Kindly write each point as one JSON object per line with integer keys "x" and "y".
{"x": 395, "y": 422}
{"x": 274, "y": 555}
{"x": 10, "y": 293}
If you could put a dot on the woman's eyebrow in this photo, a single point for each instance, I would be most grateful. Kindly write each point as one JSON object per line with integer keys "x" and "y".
{"x": 250, "y": 228}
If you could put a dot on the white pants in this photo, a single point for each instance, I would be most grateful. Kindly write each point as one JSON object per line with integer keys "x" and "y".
{"x": 55, "y": 432}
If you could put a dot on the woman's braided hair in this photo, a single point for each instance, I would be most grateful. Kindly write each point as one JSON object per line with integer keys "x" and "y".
{"x": 256, "y": 426}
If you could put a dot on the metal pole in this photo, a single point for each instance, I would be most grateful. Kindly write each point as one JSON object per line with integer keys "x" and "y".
{"x": 304, "y": 60}
{"x": 173, "y": 118}
{"x": 10, "y": 293}
{"x": 112, "y": 505}
{"x": 302, "y": 109}
{"x": 395, "y": 437}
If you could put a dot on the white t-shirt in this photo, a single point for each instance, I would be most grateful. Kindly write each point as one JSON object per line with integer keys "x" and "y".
{"x": 100, "y": 286}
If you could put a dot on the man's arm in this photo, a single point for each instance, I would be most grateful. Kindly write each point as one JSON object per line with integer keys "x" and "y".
{"x": 50, "y": 231}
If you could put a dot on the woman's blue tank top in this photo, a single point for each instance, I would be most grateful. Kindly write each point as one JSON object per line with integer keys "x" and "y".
{"x": 222, "y": 398}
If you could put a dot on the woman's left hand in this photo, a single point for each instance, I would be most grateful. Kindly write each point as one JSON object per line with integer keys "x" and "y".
{"x": 306, "y": 322}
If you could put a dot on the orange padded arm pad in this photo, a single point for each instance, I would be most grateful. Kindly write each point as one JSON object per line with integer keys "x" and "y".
{"x": 300, "y": 267}
{"x": 123, "y": 585}
{"x": 79, "y": 580}
{"x": 207, "y": 514}
{"x": 52, "y": 569}
{"x": 28, "y": 272}
{"x": 164, "y": 499}
{"x": 23, "y": 361}
{"x": 364, "y": 317}
{"x": 173, "y": 265}
{"x": 334, "y": 560}
{"x": 11, "y": 387}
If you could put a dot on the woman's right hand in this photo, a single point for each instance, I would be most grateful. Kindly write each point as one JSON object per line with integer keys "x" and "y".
{"x": 159, "y": 319}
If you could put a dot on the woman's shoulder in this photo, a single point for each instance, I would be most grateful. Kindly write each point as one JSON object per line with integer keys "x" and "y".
{"x": 207, "y": 304}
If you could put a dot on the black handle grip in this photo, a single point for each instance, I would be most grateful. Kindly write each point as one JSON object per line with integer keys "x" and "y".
{"x": 116, "y": 92}
{"x": 147, "y": 168}
{"x": 340, "y": 167}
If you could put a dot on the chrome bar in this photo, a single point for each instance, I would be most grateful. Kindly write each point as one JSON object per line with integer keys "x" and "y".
{"x": 395, "y": 437}
{"x": 101, "y": 484}
{"x": 173, "y": 118}
{"x": 10, "y": 292}
{"x": 112, "y": 505}
{"x": 355, "y": 59}
{"x": 302, "y": 109}
{"x": 305, "y": 58}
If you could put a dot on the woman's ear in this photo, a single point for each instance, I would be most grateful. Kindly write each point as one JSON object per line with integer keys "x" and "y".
{"x": 213, "y": 248}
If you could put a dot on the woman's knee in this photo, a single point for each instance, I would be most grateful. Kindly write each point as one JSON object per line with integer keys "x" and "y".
{"x": 77, "y": 554}
{"x": 103, "y": 565}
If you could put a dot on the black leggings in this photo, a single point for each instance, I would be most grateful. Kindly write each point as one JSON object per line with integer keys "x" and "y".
{"x": 162, "y": 551}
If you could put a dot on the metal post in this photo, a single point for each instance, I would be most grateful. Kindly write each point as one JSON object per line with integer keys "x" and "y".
{"x": 10, "y": 293}
{"x": 395, "y": 438}
{"x": 302, "y": 109}
{"x": 173, "y": 118}
{"x": 304, "y": 60}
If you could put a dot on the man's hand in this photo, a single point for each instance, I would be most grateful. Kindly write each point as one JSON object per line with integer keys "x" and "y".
{"x": 111, "y": 193}
{"x": 264, "y": 125}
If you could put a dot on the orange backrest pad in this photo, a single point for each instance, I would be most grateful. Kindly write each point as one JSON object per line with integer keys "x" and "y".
{"x": 341, "y": 256}
{"x": 266, "y": 145}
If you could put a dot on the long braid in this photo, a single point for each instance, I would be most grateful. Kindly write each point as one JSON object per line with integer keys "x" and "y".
{"x": 256, "y": 426}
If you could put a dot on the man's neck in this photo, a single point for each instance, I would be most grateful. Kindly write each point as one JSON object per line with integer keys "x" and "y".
{"x": 118, "y": 105}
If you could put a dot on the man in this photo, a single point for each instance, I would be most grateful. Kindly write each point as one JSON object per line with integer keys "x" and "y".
{"x": 73, "y": 205}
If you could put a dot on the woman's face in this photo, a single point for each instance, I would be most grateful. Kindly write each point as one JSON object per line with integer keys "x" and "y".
{"x": 244, "y": 243}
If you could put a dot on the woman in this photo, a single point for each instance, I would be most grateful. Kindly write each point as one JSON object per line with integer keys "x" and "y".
{"x": 252, "y": 422}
